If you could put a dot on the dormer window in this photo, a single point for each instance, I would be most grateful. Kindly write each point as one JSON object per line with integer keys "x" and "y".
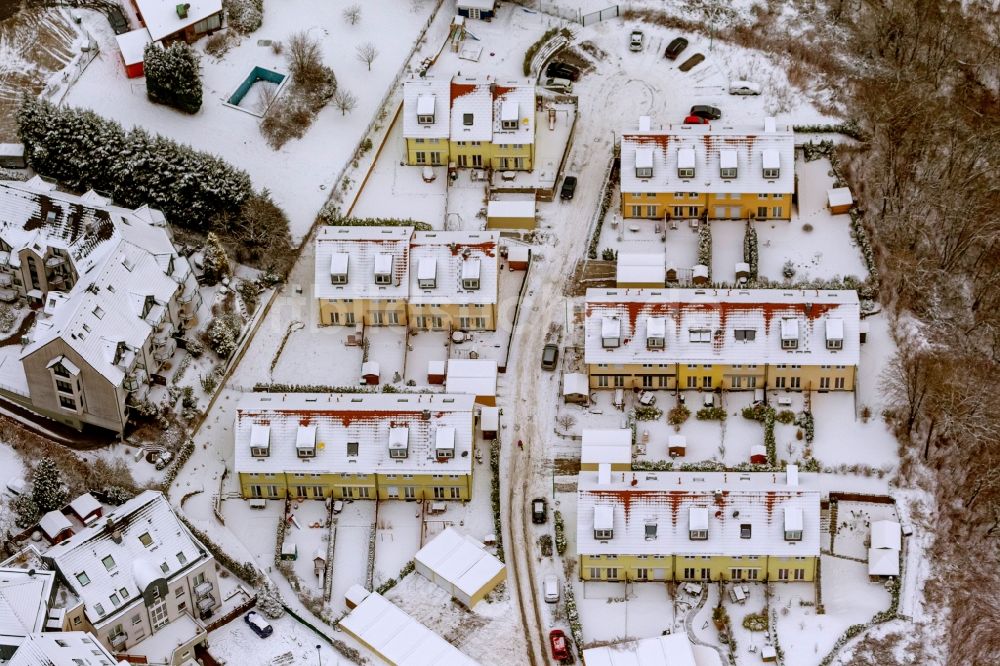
{"x": 771, "y": 164}
{"x": 699, "y": 335}
{"x": 352, "y": 449}
{"x": 793, "y": 524}
{"x": 425, "y": 110}
{"x": 508, "y": 115}
{"x": 611, "y": 332}
{"x": 339, "y": 263}
{"x": 399, "y": 442}
{"x": 745, "y": 530}
{"x": 604, "y": 519}
{"x": 685, "y": 163}
{"x": 147, "y": 304}
{"x": 698, "y": 523}
{"x": 789, "y": 334}
{"x": 656, "y": 330}
{"x": 260, "y": 441}
{"x": 427, "y": 273}
{"x": 650, "y": 531}
{"x": 444, "y": 442}
{"x": 727, "y": 164}
{"x": 644, "y": 163}
{"x": 834, "y": 333}
{"x": 305, "y": 442}
{"x": 467, "y": 119}
{"x": 471, "y": 271}
{"x": 383, "y": 268}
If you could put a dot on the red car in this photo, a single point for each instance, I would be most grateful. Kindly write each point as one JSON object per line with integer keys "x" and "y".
{"x": 695, "y": 120}
{"x": 560, "y": 650}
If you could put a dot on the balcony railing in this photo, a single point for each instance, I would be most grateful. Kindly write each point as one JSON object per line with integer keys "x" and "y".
{"x": 203, "y": 589}
{"x": 118, "y": 640}
{"x": 55, "y": 260}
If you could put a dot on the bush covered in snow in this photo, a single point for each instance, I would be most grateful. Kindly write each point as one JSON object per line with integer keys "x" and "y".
{"x": 551, "y": 33}
{"x": 495, "y": 495}
{"x": 215, "y": 261}
{"x": 313, "y": 84}
{"x": 678, "y": 415}
{"x": 258, "y": 232}
{"x": 711, "y": 414}
{"x": 330, "y": 215}
{"x": 244, "y": 16}
{"x": 647, "y": 413}
{"x": 7, "y": 318}
{"x": 172, "y": 76}
{"x": 269, "y": 600}
{"x": 756, "y": 621}
{"x": 751, "y": 250}
{"x": 705, "y": 246}
{"x": 805, "y": 421}
{"x": 85, "y": 151}
{"x": 223, "y": 334}
{"x": 560, "y": 527}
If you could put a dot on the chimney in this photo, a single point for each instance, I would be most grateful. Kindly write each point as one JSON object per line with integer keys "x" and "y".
{"x": 31, "y": 573}
{"x": 182, "y": 10}
{"x": 425, "y": 415}
{"x": 113, "y": 530}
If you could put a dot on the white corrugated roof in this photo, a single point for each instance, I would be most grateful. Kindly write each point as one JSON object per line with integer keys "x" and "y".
{"x": 641, "y": 268}
{"x": 132, "y": 45}
{"x": 669, "y": 650}
{"x": 519, "y": 208}
{"x": 714, "y": 315}
{"x": 161, "y": 17}
{"x": 606, "y": 445}
{"x": 419, "y": 95}
{"x": 883, "y": 562}
{"x": 24, "y": 601}
{"x": 368, "y": 248}
{"x": 676, "y": 501}
{"x": 365, "y": 418}
{"x": 575, "y": 383}
{"x": 476, "y": 377}
{"x": 397, "y": 637}
{"x": 708, "y": 143}
{"x": 452, "y": 255}
{"x": 460, "y": 560}
{"x": 886, "y": 534}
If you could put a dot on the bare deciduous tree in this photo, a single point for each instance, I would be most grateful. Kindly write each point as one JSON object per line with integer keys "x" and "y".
{"x": 352, "y": 14}
{"x": 367, "y": 54}
{"x": 344, "y": 100}
{"x": 566, "y": 421}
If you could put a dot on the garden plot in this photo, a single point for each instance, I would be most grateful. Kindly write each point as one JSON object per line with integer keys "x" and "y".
{"x": 854, "y": 521}
{"x": 844, "y": 438}
{"x": 466, "y": 207}
{"x": 291, "y": 644}
{"x": 350, "y": 555}
{"x": 310, "y": 536}
{"x": 848, "y": 598}
{"x": 319, "y": 356}
{"x": 739, "y": 433}
{"x": 818, "y": 245}
{"x": 300, "y": 174}
{"x": 748, "y": 643}
{"x": 386, "y": 345}
{"x": 423, "y": 347}
{"x": 619, "y": 611}
{"x": 397, "y": 538}
{"x": 395, "y": 190}
{"x": 256, "y": 529}
{"x": 727, "y": 249}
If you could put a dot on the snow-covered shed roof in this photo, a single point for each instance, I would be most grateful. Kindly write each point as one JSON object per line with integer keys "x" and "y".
{"x": 446, "y": 257}
{"x": 109, "y": 563}
{"x": 677, "y": 502}
{"x": 839, "y": 196}
{"x": 422, "y": 97}
{"x": 61, "y": 648}
{"x": 85, "y": 505}
{"x": 641, "y": 268}
{"x": 575, "y": 383}
{"x": 162, "y": 19}
{"x": 702, "y": 326}
{"x": 53, "y": 523}
{"x": 514, "y": 102}
{"x": 883, "y": 562}
{"x": 471, "y": 109}
{"x": 606, "y": 445}
{"x": 708, "y": 148}
{"x": 24, "y": 601}
{"x": 340, "y": 420}
{"x": 482, "y": 5}
{"x": 367, "y": 248}
{"x": 516, "y": 208}
{"x": 489, "y": 418}
{"x": 886, "y": 534}
{"x": 460, "y": 560}
{"x": 132, "y": 45}
{"x": 669, "y": 650}
{"x": 397, "y": 637}
{"x": 476, "y": 377}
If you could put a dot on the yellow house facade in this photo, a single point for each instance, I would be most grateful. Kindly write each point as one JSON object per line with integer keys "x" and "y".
{"x": 696, "y": 526}
{"x": 707, "y": 339}
{"x": 355, "y": 446}
{"x": 717, "y": 171}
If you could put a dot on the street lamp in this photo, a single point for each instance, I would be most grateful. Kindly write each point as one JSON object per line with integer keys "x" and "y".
{"x": 319, "y": 659}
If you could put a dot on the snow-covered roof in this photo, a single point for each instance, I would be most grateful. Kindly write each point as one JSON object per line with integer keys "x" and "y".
{"x": 426, "y": 97}
{"x": 482, "y": 5}
{"x": 883, "y": 562}
{"x": 54, "y": 522}
{"x": 641, "y": 268}
{"x": 793, "y": 519}
{"x": 839, "y": 196}
{"x": 369, "y": 249}
{"x": 669, "y": 650}
{"x": 24, "y": 601}
{"x": 489, "y": 418}
{"x": 886, "y": 534}
{"x": 701, "y": 326}
{"x": 85, "y": 505}
{"x": 162, "y": 19}
{"x": 397, "y": 637}
{"x": 514, "y": 102}
{"x": 518, "y": 208}
{"x": 459, "y": 560}
{"x": 606, "y": 445}
{"x": 132, "y": 45}
{"x": 604, "y": 516}
{"x": 446, "y": 257}
{"x": 677, "y": 502}
{"x": 61, "y": 648}
{"x": 471, "y": 109}
{"x": 575, "y": 383}
{"x": 707, "y": 149}
{"x": 109, "y": 568}
{"x": 477, "y": 377}
{"x": 368, "y": 419}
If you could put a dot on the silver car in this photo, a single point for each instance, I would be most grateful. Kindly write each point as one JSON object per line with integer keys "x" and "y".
{"x": 635, "y": 41}
{"x": 558, "y": 85}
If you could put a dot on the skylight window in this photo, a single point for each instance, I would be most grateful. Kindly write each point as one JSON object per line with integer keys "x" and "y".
{"x": 109, "y": 562}
{"x": 145, "y": 539}
{"x": 83, "y": 579}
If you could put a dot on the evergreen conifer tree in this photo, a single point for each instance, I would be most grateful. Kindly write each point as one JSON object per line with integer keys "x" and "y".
{"x": 172, "y": 76}
{"x": 47, "y": 489}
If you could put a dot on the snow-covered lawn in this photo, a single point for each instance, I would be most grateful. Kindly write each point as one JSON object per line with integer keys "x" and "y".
{"x": 748, "y": 643}
{"x": 319, "y": 355}
{"x": 309, "y": 537}
{"x": 842, "y": 438}
{"x": 350, "y": 554}
{"x": 466, "y": 205}
{"x": 387, "y": 347}
{"x": 256, "y": 529}
{"x": 727, "y": 249}
{"x": 237, "y": 645}
{"x": 615, "y": 611}
{"x": 301, "y": 173}
{"x": 854, "y": 521}
{"x": 424, "y": 347}
{"x": 397, "y": 538}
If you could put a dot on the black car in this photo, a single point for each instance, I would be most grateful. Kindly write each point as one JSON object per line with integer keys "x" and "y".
{"x": 562, "y": 70}
{"x": 550, "y": 354}
{"x": 117, "y": 20}
{"x": 568, "y": 188}
{"x": 690, "y": 63}
{"x": 539, "y": 510}
{"x": 258, "y": 624}
{"x": 675, "y": 47}
{"x": 706, "y": 112}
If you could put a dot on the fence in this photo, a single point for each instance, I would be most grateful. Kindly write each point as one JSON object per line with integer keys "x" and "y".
{"x": 55, "y": 90}
{"x": 602, "y": 15}
{"x": 232, "y": 615}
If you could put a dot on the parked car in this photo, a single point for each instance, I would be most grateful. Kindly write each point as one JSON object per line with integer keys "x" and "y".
{"x": 550, "y": 588}
{"x": 539, "y": 510}
{"x": 744, "y": 88}
{"x": 675, "y": 47}
{"x": 260, "y": 626}
{"x": 707, "y": 112}
{"x": 695, "y": 120}
{"x": 635, "y": 41}
{"x": 550, "y": 354}
{"x": 562, "y": 70}
{"x": 560, "y": 648}
{"x": 689, "y": 64}
{"x": 568, "y": 188}
{"x": 116, "y": 17}
{"x": 558, "y": 84}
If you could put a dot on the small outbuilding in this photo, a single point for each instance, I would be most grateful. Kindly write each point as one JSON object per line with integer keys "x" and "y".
{"x": 489, "y": 422}
{"x": 518, "y": 257}
{"x": 676, "y": 446}
{"x": 132, "y": 48}
{"x": 671, "y": 274}
{"x": 289, "y": 551}
{"x": 883, "y": 553}
{"x": 699, "y": 275}
{"x": 742, "y": 271}
{"x": 460, "y": 565}
{"x": 370, "y": 372}
{"x": 86, "y": 508}
{"x": 435, "y": 372}
{"x": 483, "y": 10}
{"x": 12, "y": 156}
{"x": 56, "y": 526}
{"x": 840, "y": 200}
{"x": 319, "y": 561}
{"x": 476, "y": 377}
{"x": 510, "y": 214}
{"x": 640, "y": 269}
{"x": 576, "y": 388}
{"x": 612, "y": 446}
{"x": 758, "y": 454}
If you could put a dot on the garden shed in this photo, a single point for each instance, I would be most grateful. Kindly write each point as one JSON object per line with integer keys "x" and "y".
{"x": 640, "y": 269}
{"x": 758, "y": 454}
{"x": 86, "y": 508}
{"x": 435, "y": 372}
{"x": 839, "y": 199}
{"x": 370, "y": 372}
{"x": 612, "y": 446}
{"x": 700, "y": 275}
{"x": 460, "y": 565}
{"x": 484, "y": 10}
{"x": 55, "y": 526}
{"x": 676, "y": 445}
{"x": 476, "y": 377}
{"x": 575, "y": 388}
{"x": 742, "y": 271}
{"x": 132, "y": 48}
{"x": 289, "y": 551}
{"x": 510, "y": 214}
{"x": 489, "y": 422}
{"x": 518, "y": 257}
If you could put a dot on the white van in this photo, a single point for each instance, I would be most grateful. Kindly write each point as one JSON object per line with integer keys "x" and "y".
{"x": 550, "y": 588}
